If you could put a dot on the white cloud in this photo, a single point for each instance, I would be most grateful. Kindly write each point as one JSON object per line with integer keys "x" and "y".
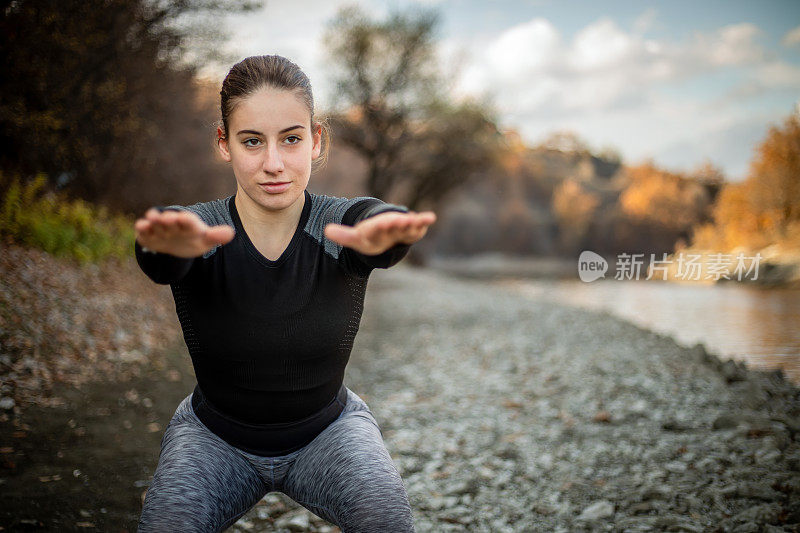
{"x": 608, "y": 83}
{"x": 731, "y": 45}
{"x": 525, "y": 49}
{"x": 778, "y": 73}
{"x": 602, "y": 46}
{"x": 645, "y": 21}
{"x": 792, "y": 37}
{"x": 603, "y": 64}
{"x": 775, "y": 74}
{"x": 290, "y": 29}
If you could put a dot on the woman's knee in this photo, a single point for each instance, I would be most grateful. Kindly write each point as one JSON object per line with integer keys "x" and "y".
{"x": 386, "y": 509}
{"x": 163, "y": 515}
{"x": 198, "y": 485}
{"x": 351, "y": 472}
{"x": 198, "y": 499}
{"x": 377, "y": 504}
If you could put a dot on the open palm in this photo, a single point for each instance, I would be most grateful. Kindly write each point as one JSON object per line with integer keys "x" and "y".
{"x": 179, "y": 233}
{"x": 378, "y": 233}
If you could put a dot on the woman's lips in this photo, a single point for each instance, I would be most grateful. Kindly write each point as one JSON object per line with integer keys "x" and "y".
{"x": 275, "y": 187}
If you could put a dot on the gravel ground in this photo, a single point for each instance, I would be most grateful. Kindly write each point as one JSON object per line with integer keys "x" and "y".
{"x": 504, "y": 413}
{"x": 65, "y": 323}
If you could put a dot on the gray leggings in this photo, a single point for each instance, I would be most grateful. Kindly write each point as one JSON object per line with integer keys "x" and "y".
{"x": 345, "y": 475}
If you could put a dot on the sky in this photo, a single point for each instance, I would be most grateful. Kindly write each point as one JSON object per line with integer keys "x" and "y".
{"x": 677, "y": 82}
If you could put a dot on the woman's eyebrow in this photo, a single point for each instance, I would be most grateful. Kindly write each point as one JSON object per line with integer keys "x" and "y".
{"x": 284, "y": 130}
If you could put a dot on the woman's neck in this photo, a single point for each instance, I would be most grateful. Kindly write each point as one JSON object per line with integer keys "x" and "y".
{"x": 263, "y": 221}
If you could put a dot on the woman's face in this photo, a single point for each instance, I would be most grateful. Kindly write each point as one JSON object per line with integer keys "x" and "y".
{"x": 271, "y": 147}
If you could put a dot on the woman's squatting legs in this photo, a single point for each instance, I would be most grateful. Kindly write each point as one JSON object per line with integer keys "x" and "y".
{"x": 345, "y": 475}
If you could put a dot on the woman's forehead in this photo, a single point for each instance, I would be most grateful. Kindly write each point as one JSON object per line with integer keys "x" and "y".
{"x": 269, "y": 109}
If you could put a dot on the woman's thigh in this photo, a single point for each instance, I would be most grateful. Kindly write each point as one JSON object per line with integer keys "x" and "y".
{"x": 201, "y": 483}
{"x": 346, "y": 476}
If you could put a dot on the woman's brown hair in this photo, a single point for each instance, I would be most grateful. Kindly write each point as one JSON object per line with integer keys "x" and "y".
{"x": 257, "y": 72}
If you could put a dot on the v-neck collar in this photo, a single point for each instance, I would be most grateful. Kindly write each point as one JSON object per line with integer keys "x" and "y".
{"x": 237, "y": 222}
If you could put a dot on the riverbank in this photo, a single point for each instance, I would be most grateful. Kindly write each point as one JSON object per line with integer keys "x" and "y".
{"x": 502, "y": 413}
{"x": 507, "y": 414}
{"x": 773, "y": 269}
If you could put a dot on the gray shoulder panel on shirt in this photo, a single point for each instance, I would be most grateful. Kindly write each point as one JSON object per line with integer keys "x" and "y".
{"x": 213, "y": 213}
{"x": 326, "y": 210}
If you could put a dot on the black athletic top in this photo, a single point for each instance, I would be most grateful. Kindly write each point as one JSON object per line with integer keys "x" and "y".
{"x": 269, "y": 340}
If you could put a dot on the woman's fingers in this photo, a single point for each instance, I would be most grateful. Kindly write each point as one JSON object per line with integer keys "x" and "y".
{"x": 221, "y": 234}
{"x": 156, "y": 222}
{"x": 342, "y": 234}
{"x": 141, "y": 226}
{"x": 184, "y": 224}
{"x": 414, "y": 226}
{"x": 183, "y": 231}
{"x": 168, "y": 224}
{"x": 404, "y": 225}
{"x": 169, "y": 229}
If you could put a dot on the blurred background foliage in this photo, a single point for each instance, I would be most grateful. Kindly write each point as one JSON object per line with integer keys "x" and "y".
{"x": 101, "y": 104}
{"x": 68, "y": 228}
{"x": 100, "y": 96}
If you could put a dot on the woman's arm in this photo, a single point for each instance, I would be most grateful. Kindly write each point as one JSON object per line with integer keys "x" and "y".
{"x": 377, "y": 234}
{"x": 370, "y": 208}
{"x": 162, "y": 268}
{"x": 176, "y": 239}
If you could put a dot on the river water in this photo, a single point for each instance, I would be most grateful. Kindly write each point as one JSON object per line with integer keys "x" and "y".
{"x": 760, "y": 326}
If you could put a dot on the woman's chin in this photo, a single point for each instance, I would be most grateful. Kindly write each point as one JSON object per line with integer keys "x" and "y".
{"x": 277, "y": 200}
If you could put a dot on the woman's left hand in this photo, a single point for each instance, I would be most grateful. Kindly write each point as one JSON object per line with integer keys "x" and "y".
{"x": 378, "y": 233}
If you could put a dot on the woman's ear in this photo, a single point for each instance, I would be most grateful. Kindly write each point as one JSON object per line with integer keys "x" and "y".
{"x": 316, "y": 147}
{"x": 222, "y": 144}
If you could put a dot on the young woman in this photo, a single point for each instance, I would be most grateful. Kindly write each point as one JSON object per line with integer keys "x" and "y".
{"x": 269, "y": 287}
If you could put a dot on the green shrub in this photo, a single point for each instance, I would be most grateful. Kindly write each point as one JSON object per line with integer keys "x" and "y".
{"x": 62, "y": 227}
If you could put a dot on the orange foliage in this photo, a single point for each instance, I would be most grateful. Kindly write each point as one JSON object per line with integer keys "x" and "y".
{"x": 574, "y": 206}
{"x": 668, "y": 199}
{"x": 765, "y": 208}
{"x": 775, "y": 176}
{"x": 513, "y": 154}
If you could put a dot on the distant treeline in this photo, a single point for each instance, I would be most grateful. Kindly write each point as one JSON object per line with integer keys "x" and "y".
{"x": 559, "y": 198}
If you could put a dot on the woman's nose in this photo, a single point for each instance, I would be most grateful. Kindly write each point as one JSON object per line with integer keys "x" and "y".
{"x": 273, "y": 162}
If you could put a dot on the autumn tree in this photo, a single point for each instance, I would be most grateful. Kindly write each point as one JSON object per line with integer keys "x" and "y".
{"x": 95, "y": 93}
{"x": 565, "y": 141}
{"x": 453, "y": 144}
{"x": 390, "y": 108}
{"x": 765, "y": 208}
{"x": 575, "y": 209}
{"x": 663, "y": 206}
{"x": 775, "y": 176}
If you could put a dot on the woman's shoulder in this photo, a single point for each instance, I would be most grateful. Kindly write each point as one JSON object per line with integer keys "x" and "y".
{"x": 332, "y": 208}
{"x": 212, "y": 212}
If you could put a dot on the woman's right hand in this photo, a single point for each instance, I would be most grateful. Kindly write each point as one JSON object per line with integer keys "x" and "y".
{"x": 179, "y": 233}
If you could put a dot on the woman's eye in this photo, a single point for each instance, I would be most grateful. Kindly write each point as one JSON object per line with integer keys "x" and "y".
{"x": 248, "y": 140}
{"x": 293, "y": 137}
